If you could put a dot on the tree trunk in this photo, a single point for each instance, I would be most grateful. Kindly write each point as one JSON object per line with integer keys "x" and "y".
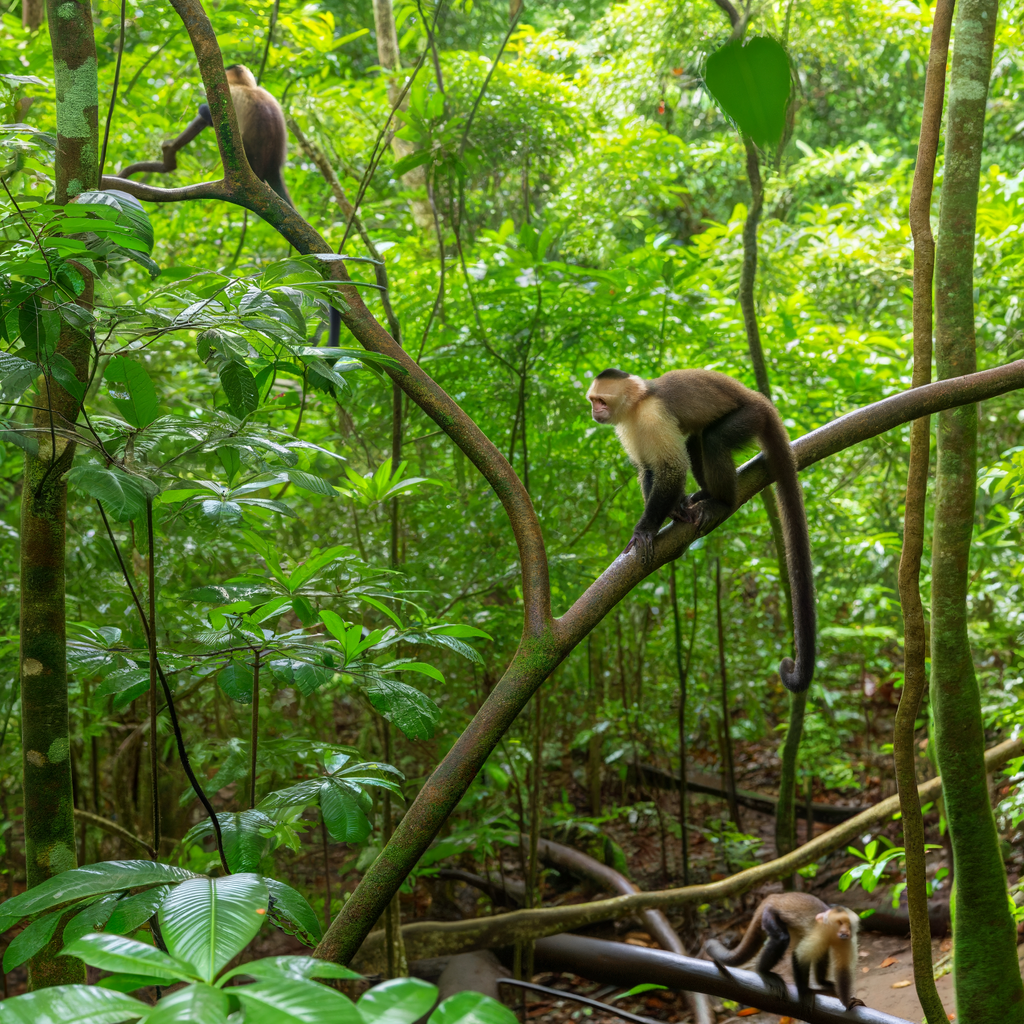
{"x": 46, "y": 744}
{"x": 390, "y": 57}
{"x": 987, "y": 975}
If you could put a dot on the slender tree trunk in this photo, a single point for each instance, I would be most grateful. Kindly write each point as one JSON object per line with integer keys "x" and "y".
{"x": 390, "y": 57}
{"x": 730, "y": 768}
{"x": 914, "y": 644}
{"x": 683, "y": 672}
{"x": 32, "y": 14}
{"x": 785, "y": 815}
{"x": 986, "y": 971}
{"x": 46, "y": 746}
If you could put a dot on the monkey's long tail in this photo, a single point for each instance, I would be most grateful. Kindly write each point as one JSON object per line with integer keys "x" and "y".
{"x": 749, "y": 945}
{"x": 796, "y": 675}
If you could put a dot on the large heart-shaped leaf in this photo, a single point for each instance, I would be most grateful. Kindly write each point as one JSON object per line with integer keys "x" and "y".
{"x": 750, "y": 81}
{"x": 292, "y": 1001}
{"x": 207, "y": 921}
{"x": 71, "y": 1004}
{"x": 398, "y": 1001}
{"x": 127, "y": 956}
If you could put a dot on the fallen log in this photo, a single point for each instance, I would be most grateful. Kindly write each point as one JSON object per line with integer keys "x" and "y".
{"x": 617, "y": 963}
{"x": 766, "y": 803}
{"x": 434, "y": 938}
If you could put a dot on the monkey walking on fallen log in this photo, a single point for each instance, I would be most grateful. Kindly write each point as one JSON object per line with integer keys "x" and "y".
{"x": 820, "y": 937}
{"x": 692, "y": 421}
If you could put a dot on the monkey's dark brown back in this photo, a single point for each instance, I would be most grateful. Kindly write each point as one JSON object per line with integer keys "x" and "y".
{"x": 264, "y": 134}
{"x": 699, "y": 397}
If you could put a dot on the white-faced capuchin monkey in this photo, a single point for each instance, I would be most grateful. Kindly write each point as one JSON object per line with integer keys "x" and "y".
{"x": 821, "y": 937}
{"x": 694, "y": 420}
{"x": 262, "y": 127}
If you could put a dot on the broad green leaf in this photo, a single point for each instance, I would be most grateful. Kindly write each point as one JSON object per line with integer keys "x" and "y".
{"x": 72, "y": 1004}
{"x": 294, "y": 1001}
{"x": 131, "y": 215}
{"x": 412, "y": 711}
{"x": 398, "y": 1001}
{"x": 471, "y": 1008}
{"x": 236, "y": 679}
{"x": 92, "y": 919}
{"x": 302, "y": 967}
{"x": 30, "y": 940}
{"x": 16, "y": 375}
{"x": 750, "y": 81}
{"x": 207, "y": 921}
{"x": 131, "y": 390}
{"x": 248, "y": 837}
{"x": 127, "y": 956}
{"x": 345, "y": 819}
{"x": 123, "y": 496}
{"x": 293, "y": 913}
{"x": 121, "y": 679}
{"x": 240, "y": 387}
{"x": 130, "y": 982}
{"x": 93, "y": 880}
{"x": 131, "y": 912}
{"x": 312, "y": 483}
{"x": 195, "y": 1004}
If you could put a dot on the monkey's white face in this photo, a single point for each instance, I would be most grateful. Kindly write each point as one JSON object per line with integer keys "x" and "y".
{"x": 605, "y": 401}
{"x": 839, "y": 921}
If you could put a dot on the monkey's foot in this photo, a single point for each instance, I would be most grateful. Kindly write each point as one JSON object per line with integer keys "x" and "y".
{"x": 855, "y": 1002}
{"x": 685, "y": 513}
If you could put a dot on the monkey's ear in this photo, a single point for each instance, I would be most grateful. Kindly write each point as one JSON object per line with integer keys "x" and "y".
{"x": 822, "y": 917}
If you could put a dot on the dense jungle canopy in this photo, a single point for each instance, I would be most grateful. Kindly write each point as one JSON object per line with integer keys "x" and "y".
{"x": 292, "y": 573}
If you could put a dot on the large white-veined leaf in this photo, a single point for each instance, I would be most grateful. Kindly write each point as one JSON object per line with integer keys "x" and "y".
{"x": 292, "y": 1001}
{"x": 301, "y": 967}
{"x": 71, "y": 1004}
{"x": 471, "y": 1008}
{"x": 127, "y": 956}
{"x": 196, "y": 1004}
{"x": 206, "y": 921}
{"x": 398, "y": 1001}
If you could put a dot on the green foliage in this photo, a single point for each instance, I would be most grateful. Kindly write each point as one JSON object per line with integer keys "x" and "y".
{"x": 750, "y": 80}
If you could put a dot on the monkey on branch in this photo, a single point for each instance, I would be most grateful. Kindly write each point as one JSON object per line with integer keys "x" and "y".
{"x": 692, "y": 421}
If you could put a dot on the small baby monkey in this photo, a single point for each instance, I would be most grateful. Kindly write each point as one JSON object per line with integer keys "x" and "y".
{"x": 819, "y": 934}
